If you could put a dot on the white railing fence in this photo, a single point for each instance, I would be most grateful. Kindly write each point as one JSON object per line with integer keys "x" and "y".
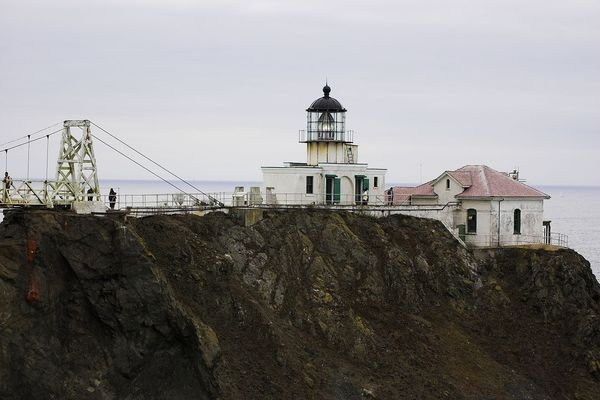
{"x": 478, "y": 240}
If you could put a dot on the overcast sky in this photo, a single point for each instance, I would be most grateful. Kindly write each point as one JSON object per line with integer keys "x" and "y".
{"x": 217, "y": 89}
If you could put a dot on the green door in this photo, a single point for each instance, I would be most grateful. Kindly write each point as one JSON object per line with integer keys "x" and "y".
{"x": 361, "y": 187}
{"x": 359, "y": 183}
{"x": 337, "y": 184}
{"x": 328, "y": 189}
{"x": 332, "y": 189}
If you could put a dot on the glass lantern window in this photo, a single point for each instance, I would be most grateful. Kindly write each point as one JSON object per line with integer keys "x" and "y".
{"x": 326, "y": 125}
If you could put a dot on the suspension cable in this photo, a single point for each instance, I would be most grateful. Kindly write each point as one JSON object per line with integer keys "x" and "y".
{"x": 30, "y": 141}
{"x": 158, "y": 165}
{"x": 145, "y": 168}
{"x": 47, "y": 146}
{"x": 31, "y": 134}
{"x": 28, "y": 152}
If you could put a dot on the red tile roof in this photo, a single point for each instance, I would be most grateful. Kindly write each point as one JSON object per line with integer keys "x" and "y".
{"x": 487, "y": 182}
{"x": 402, "y": 194}
{"x": 478, "y": 180}
{"x": 462, "y": 177}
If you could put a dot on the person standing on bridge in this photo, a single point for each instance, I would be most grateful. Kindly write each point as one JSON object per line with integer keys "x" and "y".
{"x": 112, "y": 198}
{"x": 7, "y": 184}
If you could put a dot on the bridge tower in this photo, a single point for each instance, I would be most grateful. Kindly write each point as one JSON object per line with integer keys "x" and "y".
{"x": 76, "y": 173}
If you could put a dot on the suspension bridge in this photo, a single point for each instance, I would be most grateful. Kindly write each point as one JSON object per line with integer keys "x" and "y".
{"x": 75, "y": 183}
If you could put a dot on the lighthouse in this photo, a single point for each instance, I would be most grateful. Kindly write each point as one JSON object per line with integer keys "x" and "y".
{"x": 326, "y": 138}
{"x": 332, "y": 174}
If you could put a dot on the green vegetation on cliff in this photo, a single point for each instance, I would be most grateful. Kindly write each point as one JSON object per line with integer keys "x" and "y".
{"x": 302, "y": 305}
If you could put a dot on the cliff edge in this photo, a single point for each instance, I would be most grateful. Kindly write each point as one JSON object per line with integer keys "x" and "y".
{"x": 302, "y": 305}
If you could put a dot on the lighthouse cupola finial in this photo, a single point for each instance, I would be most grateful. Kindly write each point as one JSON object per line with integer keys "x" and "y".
{"x": 326, "y": 90}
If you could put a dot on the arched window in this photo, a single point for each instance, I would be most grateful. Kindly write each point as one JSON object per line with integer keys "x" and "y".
{"x": 447, "y": 184}
{"x": 471, "y": 220}
{"x": 517, "y": 221}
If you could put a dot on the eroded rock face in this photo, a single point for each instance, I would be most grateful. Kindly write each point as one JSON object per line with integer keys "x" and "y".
{"x": 104, "y": 323}
{"x": 304, "y": 304}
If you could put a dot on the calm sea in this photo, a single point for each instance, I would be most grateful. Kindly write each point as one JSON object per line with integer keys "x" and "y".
{"x": 574, "y": 211}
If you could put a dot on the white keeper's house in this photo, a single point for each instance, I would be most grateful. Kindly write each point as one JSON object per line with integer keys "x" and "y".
{"x": 332, "y": 174}
{"x": 484, "y": 207}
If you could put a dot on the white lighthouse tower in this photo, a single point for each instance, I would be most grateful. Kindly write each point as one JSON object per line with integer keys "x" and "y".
{"x": 331, "y": 174}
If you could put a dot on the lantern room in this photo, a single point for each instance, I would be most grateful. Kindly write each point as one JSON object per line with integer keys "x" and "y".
{"x": 326, "y": 121}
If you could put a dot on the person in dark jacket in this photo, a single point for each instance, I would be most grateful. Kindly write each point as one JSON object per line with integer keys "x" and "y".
{"x": 112, "y": 198}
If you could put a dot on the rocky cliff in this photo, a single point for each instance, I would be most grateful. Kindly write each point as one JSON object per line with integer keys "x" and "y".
{"x": 302, "y": 305}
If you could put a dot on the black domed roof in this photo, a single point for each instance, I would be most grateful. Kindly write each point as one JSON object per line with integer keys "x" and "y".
{"x": 326, "y": 103}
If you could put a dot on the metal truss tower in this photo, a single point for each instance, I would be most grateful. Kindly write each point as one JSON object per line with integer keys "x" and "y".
{"x": 76, "y": 173}
{"x": 76, "y": 165}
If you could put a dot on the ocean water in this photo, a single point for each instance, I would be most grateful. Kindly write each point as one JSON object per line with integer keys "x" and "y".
{"x": 574, "y": 211}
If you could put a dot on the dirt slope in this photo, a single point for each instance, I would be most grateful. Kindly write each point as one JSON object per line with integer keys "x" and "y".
{"x": 302, "y": 305}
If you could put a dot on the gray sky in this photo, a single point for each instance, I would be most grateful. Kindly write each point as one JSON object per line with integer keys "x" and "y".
{"x": 215, "y": 89}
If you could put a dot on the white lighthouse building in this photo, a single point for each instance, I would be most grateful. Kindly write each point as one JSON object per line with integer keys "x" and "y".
{"x": 331, "y": 174}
